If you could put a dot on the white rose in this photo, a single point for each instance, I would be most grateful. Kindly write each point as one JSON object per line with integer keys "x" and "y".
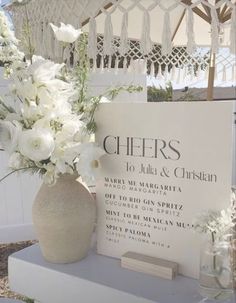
{"x": 66, "y": 33}
{"x": 36, "y": 144}
{"x": 9, "y": 133}
{"x": 44, "y": 70}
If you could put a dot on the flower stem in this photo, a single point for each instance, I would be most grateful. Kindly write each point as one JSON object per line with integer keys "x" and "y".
{"x": 15, "y": 171}
{"x": 5, "y": 106}
{"x": 63, "y": 52}
{"x": 214, "y": 257}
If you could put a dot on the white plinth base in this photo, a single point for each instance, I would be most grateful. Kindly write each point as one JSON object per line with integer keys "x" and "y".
{"x": 94, "y": 279}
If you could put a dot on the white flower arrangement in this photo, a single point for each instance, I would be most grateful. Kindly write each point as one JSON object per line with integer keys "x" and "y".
{"x": 8, "y": 43}
{"x": 218, "y": 224}
{"x": 49, "y": 128}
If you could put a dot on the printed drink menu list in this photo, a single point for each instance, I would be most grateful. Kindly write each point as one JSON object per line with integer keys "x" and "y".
{"x": 164, "y": 164}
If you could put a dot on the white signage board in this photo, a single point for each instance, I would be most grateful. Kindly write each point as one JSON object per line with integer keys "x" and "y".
{"x": 164, "y": 163}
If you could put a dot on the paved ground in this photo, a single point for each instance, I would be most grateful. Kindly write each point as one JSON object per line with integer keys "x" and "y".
{"x": 5, "y": 251}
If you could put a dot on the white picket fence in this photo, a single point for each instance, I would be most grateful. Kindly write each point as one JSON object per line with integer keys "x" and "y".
{"x": 17, "y": 194}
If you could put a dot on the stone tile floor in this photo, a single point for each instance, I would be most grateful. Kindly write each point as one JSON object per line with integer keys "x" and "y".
{"x": 5, "y": 251}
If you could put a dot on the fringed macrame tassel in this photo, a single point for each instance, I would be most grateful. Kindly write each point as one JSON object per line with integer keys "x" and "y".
{"x": 108, "y": 36}
{"x": 192, "y": 75}
{"x": 214, "y": 31}
{"x": 125, "y": 68}
{"x": 178, "y": 79}
{"x": 173, "y": 71}
{"x": 152, "y": 70}
{"x": 185, "y": 72}
{"x": 124, "y": 42}
{"x": 166, "y": 36}
{"x": 199, "y": 73}
{"x": 191, "y": 45}
{"x": 233, "y": 31}
{"x": 144, "y": 70}
{"x": 109, "y": 63}
{"x": 159, "y": 74}
{"x": 102, "y": 65}
{"x": 166, "y": 73}
{"x": 92, "y": 39}
{"x": 131, "y": 66}
{"x": 224, "y": 77}
{"x": 146, "y": 42}
{"x": 116, "y": 65}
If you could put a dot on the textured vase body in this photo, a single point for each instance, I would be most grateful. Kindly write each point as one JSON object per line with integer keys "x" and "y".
{"x": 64, "y": 217}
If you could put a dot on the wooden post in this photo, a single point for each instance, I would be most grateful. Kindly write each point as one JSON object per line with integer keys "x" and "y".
{"x": 211, "y": 77}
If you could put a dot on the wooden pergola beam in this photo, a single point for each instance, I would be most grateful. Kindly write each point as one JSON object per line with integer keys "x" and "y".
{"x": 222, "y": 12}
{"x": 207, "y": 10}
{"x": 99, "y": 13}
{"x": 198, "y": 11}
{"x": 226, "y": 16}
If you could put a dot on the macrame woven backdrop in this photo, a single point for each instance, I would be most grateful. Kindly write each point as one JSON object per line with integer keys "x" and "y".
{"x": 107, "y": 50}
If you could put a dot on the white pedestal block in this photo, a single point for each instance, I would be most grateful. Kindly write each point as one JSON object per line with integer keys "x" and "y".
{"x": 94, "y": 279}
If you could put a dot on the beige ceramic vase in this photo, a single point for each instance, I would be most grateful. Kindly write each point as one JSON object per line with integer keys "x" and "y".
{"x": 64, "y": 218}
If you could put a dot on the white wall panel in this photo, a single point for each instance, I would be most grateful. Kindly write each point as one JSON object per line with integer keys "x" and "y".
{"x": 17, "y": 194}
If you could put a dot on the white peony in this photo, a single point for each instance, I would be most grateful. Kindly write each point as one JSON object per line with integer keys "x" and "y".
{"x": 66, "y": 33}
{"x": 36, "y": 144}
{"x": 44, "y": 70}
{"x": 89, "y": 165}
{"x": 9, "y": 133}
